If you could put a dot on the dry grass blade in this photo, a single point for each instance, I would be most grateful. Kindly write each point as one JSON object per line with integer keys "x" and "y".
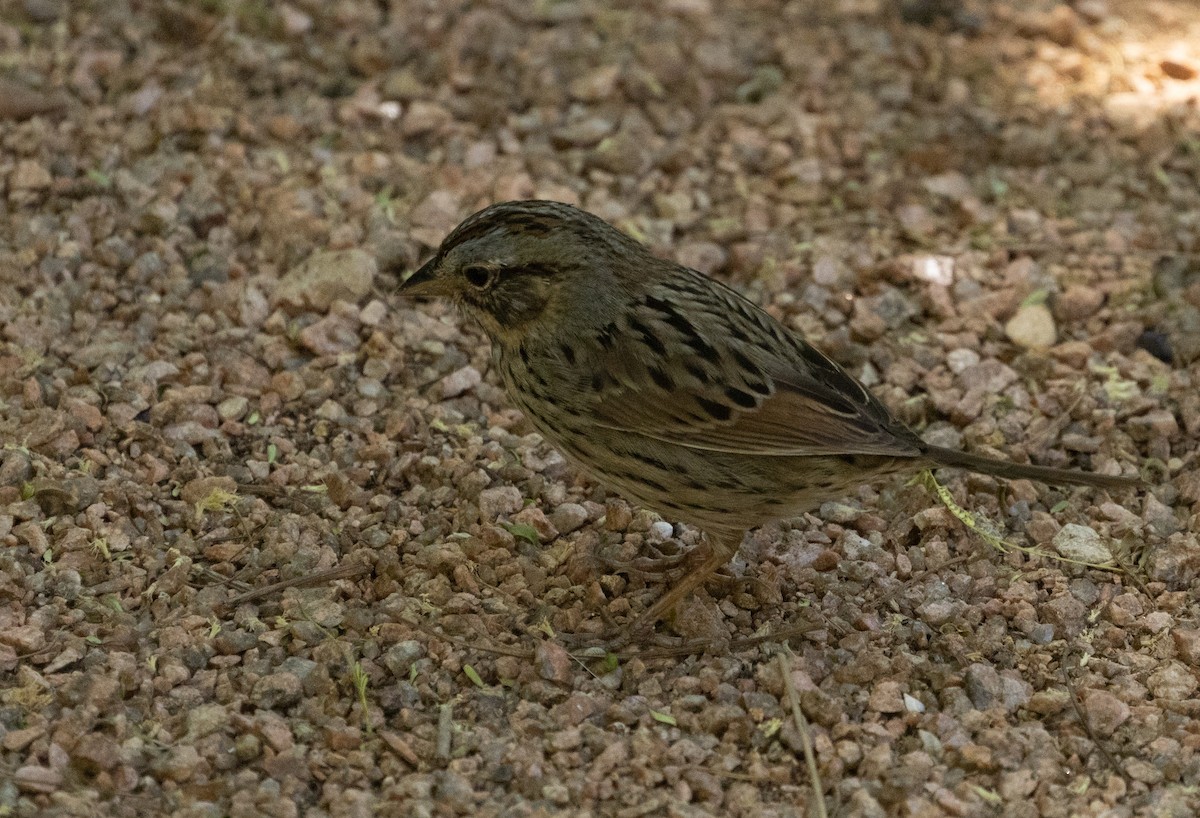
{"x": 1083, "y": 720}
{"x": 810, "y": 757}
{"x": 307, "y": 581}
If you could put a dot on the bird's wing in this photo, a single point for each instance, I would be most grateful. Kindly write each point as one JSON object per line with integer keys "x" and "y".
{"x": 716, "y": 373}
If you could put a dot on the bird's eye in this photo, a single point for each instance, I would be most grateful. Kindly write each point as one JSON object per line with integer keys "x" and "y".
{"x": 478, "y": 276}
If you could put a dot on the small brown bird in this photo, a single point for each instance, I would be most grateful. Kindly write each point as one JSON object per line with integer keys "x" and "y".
{"x": 668, "y": 386}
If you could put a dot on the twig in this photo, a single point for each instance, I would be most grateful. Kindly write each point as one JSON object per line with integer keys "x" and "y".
{"x": 308, "y": 580}
{"x": 810, "y": 757}
{"x": 1087, "y": 728}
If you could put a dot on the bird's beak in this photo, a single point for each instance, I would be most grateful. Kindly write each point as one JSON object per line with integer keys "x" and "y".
{"x": 425, "y": 283}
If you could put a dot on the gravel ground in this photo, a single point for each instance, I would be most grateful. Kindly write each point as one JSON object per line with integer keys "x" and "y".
{"x": 273, "y": 543}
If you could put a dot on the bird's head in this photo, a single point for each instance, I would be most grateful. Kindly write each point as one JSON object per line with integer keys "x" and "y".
{"x": 514, "y": 264}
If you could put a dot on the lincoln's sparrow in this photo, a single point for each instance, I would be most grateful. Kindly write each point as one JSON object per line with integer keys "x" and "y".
{"x": 668, "y": 386}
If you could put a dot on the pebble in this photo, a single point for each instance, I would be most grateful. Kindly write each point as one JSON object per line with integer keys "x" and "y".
{"x": 887, "y": 697}
{"x": 1105, "y": 712}
{"x": 536, "y": 518}
{"x": 1032, "y": 327}
{"x": 1173, "y": 682}
{"x": 206, "y": 720}
{"x": 400, "y": 657}
{"x": 568, "y": 517}
{"x": 705, "y": 256}
{"x": 661, "y": 530}
{"x": 424, "y": 117}
{"x": 1077, "y": 302}
{"x": 1081, "y": 543}
{"x": 1178, "y": 69}
{"x": 29, "y": 175}
{"x": 498, "y": 501}
{"x": 1155, "y": 423}
{"x": 233, "y": 408}
{"x": 460, "y": 381}
{"x": 325, "y": 277}
{"x": 959, "y": 360}
{"x": 96, "y": 751}
{"x": 19, "y": 102}
{"x": 331, "y": 335}
{"x": 277, "y": 691}
{"x": 582, "y": 134}
{"x": 35, "y": 778}
{"x": 553, "y": 662}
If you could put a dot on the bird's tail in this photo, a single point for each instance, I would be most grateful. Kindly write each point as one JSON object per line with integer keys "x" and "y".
{"x": 1019, "y": 471}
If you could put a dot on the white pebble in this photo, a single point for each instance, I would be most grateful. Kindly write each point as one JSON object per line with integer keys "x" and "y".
{"x": 661, "y": 530}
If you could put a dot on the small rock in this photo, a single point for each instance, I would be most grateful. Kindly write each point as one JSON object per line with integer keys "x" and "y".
{"x": 1060, "y": 25}
{"x": 234, "y": 641}
{"x": 277, "y": 691}
{"x": 434, "y": 217}
{"x": 233, "y": 408}
{"x": 984, "y": 686}
{"x": 1032, "y": 327}
{"x": 1105, "y": 712}
{"x": 372, "y": 314}
{"x": 95, "y": 752}
{"x": 498, "y": 501}
{"x": 23, "y": 638}
{"x": 425, "y": 117}
{"x": 180, "y": 764}
{"x": 29, "y": 175}
{"x": 597, "y": 85}
{"x": 1081, "y": 543}
{"x": 960, "y": 360}
{"x": 1155, "y": 423}
{"x": 1187, "y": 645}
{"x": 916, "y": 221}
{"x": 295, "y": 21}
{"x": 325, "y": 277}
{"x": 553, "y": 662}
{"x": 1077, "y": 302}
{"x": 827, "y": 560}
{"x": 1094, "y": 11}
{"x": 400, "y": 657}
{"x": 460, "y": 381}
{"x": 331, "y": 335}
{"x": 35, "y": 778}
{"x": 568, "y": 517}
{"x": 201, "y": 489}
{"x": 1177, "y": 70}
{"x": 839, "y": 513}
{"x": 625, "y": 153}
{"x": 18, "y": 101}
{"x": 582, "y": 134}
{"x": 617, "y": 515}
{"x": 536, "y": 519}
{"x": 1049, "y": 702}
{"x": 951, "y": 185}
{"x": 886, "y": 697}
{"x": 1174, "y": 682}
{"x": 661, "y": 530}
{"x": 705, "y": 256}
{"x": 206, "y": 719}
{"x": 938, "y": 612}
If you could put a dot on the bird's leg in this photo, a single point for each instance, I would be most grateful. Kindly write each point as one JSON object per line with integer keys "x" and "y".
{"x": 722, "y": 551}
{"x": 661, "y": 563}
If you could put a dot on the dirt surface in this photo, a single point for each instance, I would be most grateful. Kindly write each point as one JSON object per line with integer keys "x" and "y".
{"x": 273, "y": 543}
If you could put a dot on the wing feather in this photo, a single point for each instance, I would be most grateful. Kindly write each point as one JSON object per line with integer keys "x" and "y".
{"x": 756, "y": 390}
